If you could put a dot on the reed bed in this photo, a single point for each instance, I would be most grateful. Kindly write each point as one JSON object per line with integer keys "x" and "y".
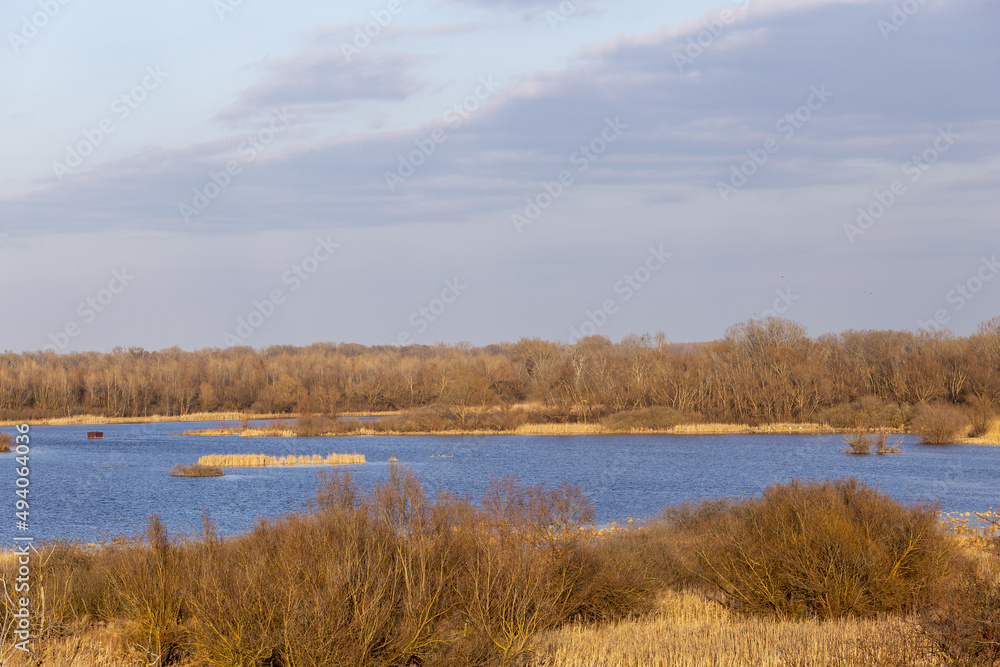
{"x": 77, "y": 420}
{"x": 689, "y": 628}
{"x": 263, "y": 460}
{"x": 991, "y": 437}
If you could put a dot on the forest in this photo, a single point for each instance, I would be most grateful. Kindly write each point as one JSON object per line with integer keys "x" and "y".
{"x": 762, "y": 371}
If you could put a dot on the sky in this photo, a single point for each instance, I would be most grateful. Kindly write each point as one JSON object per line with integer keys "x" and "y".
{"x": 208, "y": 173}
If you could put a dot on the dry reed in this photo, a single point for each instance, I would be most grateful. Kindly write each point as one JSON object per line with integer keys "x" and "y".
{"x": 690, "y": 629}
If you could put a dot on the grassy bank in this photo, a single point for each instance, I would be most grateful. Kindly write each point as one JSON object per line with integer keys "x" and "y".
{"x": 78, "y": 420}
{"x": 807, "y": 574}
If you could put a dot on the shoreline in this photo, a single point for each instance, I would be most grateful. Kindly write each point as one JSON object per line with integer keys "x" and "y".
{"x": 98, "y": 420}
{"x": 568, "y": 429}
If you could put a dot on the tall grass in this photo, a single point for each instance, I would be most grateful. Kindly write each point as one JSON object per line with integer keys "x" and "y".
{"x": 263, "y": 460}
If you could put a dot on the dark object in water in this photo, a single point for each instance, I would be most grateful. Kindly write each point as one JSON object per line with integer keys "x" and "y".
{"x": 95, "y": 435}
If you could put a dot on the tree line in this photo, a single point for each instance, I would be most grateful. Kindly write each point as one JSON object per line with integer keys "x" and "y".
{"x": 761, "y": 371}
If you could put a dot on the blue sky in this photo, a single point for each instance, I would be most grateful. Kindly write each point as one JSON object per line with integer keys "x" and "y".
{"x": 206, "y": 173}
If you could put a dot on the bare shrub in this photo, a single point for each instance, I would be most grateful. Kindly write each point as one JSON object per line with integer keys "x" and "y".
{"x": 308, "y": 426}
{"x": 6, "y": 442}
{"x": 657, "y": 418}
{"x": 828, "y": 549}
{"x": 859, "y": 443}
{"x": 939, "y": 424}
{"x": 964, "y": 627}
{"x": 147, "y": 584}
{"x": 980, "y": 413}
{"x": 883, "y": 447}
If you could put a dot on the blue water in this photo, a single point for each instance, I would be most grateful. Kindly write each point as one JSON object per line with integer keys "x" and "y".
{"x": 97, "y": 489}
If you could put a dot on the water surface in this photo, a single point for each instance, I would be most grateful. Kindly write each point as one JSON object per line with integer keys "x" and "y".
{"x": 95, "y": 489}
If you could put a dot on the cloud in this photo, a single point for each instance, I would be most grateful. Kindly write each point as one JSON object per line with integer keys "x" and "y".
{"x": 688, "y": 122}
{"x": 323, "y": 80}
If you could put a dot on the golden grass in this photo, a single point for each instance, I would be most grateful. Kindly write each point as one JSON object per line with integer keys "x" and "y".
{"x": 991, "y": 437}
{"x": 689, "y": 628}
{"x": 77, "y": 420}
{"x": 100, "y": 646}
{"x": 263, "y": 460}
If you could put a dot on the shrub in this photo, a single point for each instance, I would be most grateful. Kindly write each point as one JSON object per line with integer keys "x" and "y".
{"x": 6, "y": 442}
{"x": 827, "y": 549}
{"x": 882, "y": 446}
{"x": 861, "y": 443}
{"x": 939, "y": 424}
{"x": 964, "y": 627}
{"x": 858, "y": 443}
{"x": 980, "y": 414}
{"x": 309, "y": 427}
{"x": 196, "y": 470}
{"x": 868, "y": 412}
{"x": 656, "y": 418}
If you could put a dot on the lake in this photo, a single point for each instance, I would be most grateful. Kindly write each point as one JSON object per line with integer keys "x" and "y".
{"x": 97, "y": 489}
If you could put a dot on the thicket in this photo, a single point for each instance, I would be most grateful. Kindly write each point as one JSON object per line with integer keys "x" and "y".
{"x": 389, "y": 576}
{"x": 762, "y": 371}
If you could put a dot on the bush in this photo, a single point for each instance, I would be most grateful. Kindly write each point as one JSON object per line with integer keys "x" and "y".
{"x": 940, "y": 424}
{"x": 826, "y": 549}
{"x": 858, "y": 443}
{"x": 656, "y": 418}
{"x": 309, "y": 427}
{"x": 868, "y": 412}
{"x": 980, "y": 414}
{"x": 6, "y": 442}
{"x": 381, "y": 577}
{"x": 965, "y": 627}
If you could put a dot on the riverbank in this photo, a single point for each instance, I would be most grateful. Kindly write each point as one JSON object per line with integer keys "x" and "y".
{"x": 97, "y": 420}
{"x": 289, "y": 425}
{"x": 287, "y": 430}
